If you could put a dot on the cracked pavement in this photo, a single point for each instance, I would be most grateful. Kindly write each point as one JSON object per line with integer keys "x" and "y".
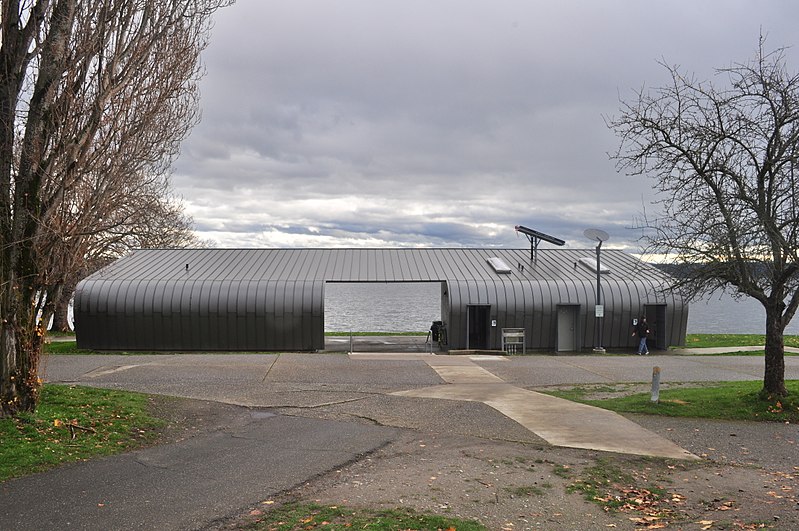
{"x": 331, "y": 409}
{"x": 188, "y": 484}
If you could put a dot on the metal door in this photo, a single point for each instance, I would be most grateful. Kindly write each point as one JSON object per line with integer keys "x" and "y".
{"x": 567, "y": 328}
{"x": 478, "y": 324}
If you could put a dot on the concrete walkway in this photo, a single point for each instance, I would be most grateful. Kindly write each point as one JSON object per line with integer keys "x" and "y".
{"x": 559, "y": 422}
{"x": 372, "y": 386}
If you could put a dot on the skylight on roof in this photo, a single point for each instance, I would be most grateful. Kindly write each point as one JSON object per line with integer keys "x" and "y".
{"x": 498, "y": 265}
{"x": 590, "y": 263}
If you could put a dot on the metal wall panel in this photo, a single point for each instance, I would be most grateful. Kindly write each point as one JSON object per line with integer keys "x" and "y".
{"x": 272, "y": 299}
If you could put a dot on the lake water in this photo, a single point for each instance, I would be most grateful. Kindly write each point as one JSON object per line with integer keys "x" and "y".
{"x": 412, "y": 307}
{"x": 382, "y": 307}
{"x": 727, "y": 315}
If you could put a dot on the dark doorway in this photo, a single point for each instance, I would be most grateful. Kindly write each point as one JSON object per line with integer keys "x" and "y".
{"x": 479, "y": 320}
{"x": 656, "y": 317}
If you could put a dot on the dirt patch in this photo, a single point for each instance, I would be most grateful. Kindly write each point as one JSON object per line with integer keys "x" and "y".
{"x": 618, "y": 390}
{"x": 503, "y": 485}
{"x": 511, "y": 485}
{"x": 517, "y": 486}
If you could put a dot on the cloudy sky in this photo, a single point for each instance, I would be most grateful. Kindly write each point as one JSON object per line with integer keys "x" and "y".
{"x": 374, "y": 123}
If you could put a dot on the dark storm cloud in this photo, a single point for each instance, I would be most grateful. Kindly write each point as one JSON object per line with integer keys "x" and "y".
{"x": 437, "y": 123}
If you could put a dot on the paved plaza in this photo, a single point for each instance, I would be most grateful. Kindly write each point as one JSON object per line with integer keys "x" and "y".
{"x": 308, "y": 414}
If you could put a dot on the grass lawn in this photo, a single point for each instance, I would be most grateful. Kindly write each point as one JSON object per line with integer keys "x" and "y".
{"x": 72, "y": 424}
{"x": 724, "y": 400}
{"x": 64, "y": 347}
{"x": 52, "y": 333}
{"x": 733, "y": 340}
{"x": 300, "y": 517}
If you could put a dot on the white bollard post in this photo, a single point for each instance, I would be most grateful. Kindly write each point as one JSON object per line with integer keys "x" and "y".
{"x": 656, "y": 384}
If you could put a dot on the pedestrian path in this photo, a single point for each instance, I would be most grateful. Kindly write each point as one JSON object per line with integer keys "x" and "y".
{"x": 559, "y": 422}
{"x": 192, "y": 483}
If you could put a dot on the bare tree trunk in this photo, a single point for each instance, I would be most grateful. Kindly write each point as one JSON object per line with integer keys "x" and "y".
{"x": 20, "y": 348}
{"x": 61, "y": 310}
{"x": 21, "y": 338}
{"x": 774, "y": 376}
{"x": 61, "y": 315}
{"x": 95, "y": 98}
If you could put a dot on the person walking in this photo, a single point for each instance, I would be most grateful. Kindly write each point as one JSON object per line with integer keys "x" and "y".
{"x": 642, "y": 331}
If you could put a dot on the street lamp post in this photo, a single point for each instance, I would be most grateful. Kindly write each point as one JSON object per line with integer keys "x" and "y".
{"x": 598, "y": 236}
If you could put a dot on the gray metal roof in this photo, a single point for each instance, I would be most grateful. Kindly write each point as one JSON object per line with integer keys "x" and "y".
{"x": 271, "y": 299}
{"x": 369, "y": 265}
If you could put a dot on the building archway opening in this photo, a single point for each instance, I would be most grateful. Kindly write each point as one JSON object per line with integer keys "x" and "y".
{"x": 381, "y": 316}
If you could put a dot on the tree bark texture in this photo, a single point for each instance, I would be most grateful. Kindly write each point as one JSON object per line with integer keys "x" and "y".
{"x": 61, "y": 312}
{"x": 95, "y": 98}
{"x": 774, "y": 375}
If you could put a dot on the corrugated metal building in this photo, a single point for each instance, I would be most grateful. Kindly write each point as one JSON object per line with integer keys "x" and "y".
{"x": 273, "y": 299}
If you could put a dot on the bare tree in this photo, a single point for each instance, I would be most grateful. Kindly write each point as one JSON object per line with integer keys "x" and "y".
{"x": 149, "y": 217}
{"x": 725, "y": 160}
{"x": 95, "y": 98}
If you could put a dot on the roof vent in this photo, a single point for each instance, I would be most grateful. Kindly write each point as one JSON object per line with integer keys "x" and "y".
{"x": 590, "y": 264}
{"x": 498, "y": 265}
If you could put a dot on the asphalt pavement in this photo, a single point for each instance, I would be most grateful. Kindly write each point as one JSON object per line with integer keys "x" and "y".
{"x": 191, "y": 483}
{"x": 362, "y": 402}
{"x": 365, "y": 386}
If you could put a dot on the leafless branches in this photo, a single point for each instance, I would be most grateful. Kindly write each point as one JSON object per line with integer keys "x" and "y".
{"x": 724, "y": 157}
{"x": 95, "y": 98}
